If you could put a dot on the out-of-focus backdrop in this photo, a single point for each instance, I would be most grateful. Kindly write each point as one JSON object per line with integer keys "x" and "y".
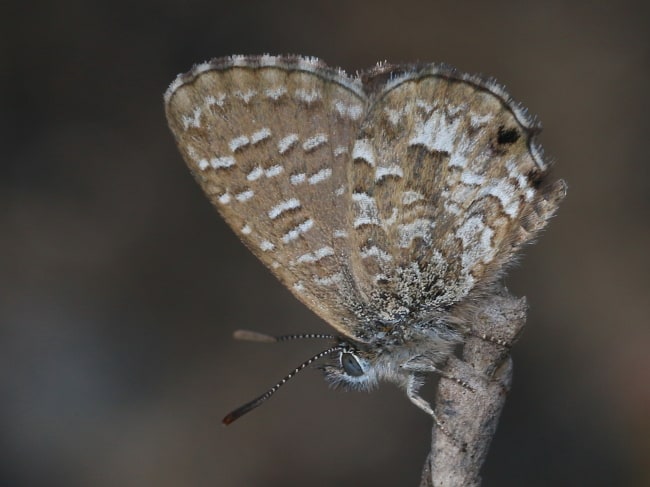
{"x": 120, "y": 287}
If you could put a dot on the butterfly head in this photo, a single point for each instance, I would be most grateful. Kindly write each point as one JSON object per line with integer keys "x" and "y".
{"x": 352, "y": 367}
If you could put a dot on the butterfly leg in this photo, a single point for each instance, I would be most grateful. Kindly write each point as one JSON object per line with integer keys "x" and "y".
{"x": 423, "y": 364}
{"x": 412, "y": 392}
{"x": 492, "y": 339}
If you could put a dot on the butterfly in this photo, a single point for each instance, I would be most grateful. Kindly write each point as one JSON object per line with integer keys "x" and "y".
{"x": 390, "y": 202}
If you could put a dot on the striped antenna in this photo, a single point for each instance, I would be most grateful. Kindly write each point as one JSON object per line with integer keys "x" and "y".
{"x": 255, "y": 336}
{"x": 249, "y": 406}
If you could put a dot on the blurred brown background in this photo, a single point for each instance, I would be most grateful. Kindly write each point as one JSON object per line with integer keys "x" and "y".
{"x": 120, "y": 287}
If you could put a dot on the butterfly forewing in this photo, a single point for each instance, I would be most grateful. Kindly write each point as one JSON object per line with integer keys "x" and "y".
{"x": 269, "y": 145}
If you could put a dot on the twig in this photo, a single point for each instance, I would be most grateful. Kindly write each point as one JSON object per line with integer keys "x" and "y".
{"x": 472, "y": 415}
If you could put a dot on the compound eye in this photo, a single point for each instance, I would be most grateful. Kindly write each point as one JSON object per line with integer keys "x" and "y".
{"x": 351, "y": 365}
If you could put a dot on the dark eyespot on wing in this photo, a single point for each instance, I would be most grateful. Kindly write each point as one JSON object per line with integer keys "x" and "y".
{"x": 507, "y": 136}
{"x": 535, "y": 178}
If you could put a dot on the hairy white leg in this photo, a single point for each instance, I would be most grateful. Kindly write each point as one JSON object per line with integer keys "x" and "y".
{"x": 492, "y": 339}
{"x": 412, "y": 387}
{"x": 423, "y": 364}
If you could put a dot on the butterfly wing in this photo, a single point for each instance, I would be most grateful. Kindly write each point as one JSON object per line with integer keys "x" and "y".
{"x": 268, "y": 140}
{"x": 448, "y": 184}
{"x": 372, "y": 202}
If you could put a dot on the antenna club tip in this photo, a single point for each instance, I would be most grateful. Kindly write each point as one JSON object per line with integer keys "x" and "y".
{"x": 239, "y": 412}
{"x": 249, "y": 406}
{"x": 253, "y": 336}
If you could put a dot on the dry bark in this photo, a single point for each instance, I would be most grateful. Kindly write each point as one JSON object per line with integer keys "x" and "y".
{"x": 471, "y": 415}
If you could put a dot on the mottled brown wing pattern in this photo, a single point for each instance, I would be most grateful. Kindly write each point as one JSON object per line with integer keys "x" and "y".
{"x": 388, "y": 203}
{"x": 445, "y": 184}
{"x": 268, "y": 140}
{"x": 377, "y": 200}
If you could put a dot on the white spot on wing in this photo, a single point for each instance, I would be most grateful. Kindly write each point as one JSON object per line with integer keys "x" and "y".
{"x": 294, "y": 233}
{"x": 238, "y": 143}
{"x": 363, "y": 150}
{"x": 244, "y": 195}
{"x": 460, "y": 156}
{"x": 471, "y": 179}
{"x": 420, "y": 228}
{"x": 222, "y": 162}
{"x": 382, "y": 172}
{"x": 307, "y": 96}
{"x": 478, "y": 121}
{"x": 280, "y": 208}
{"x": 376, "y": 252}
{"x": 453, "y": 110}
{"x": 266, "y": 246}
{"x": 388, "y": 222}
{"x": 505, "y": 192}
{"x": 299, "y": 287}
{"x": 477, "y": 242}
{"x": 260, "y": 135}
{"x": 215, "y": 100}
{"x": 312, "y": 257}
{"x": 348, "y": 110}
{"x": 313, "y": 142}
{"x": 437, "y": 134}
{"x": 297, "y": 178}
{"x": 393, "y": 115}
{"x": 328, "y": 280}
{"x": 452, "y": 208}
{"x": 409, "y": 197}
{"x": 192, "y": 121}
{"x": 522, "y": 182}
{"x": 273, "y": 171}
{"x": 320, "y": 176}
{"x": 258, "y": 172}
{"x": 246, "y": 230}
{"x": 246, "y": 95}
{"x": 255, "y": 174}
{"x": 287, "y": 142}
{"x": 424, "y": 105}
{"x": 275, "y": 93}
{"x": 224, "y": 199}
{"x": 367, "y": 210}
